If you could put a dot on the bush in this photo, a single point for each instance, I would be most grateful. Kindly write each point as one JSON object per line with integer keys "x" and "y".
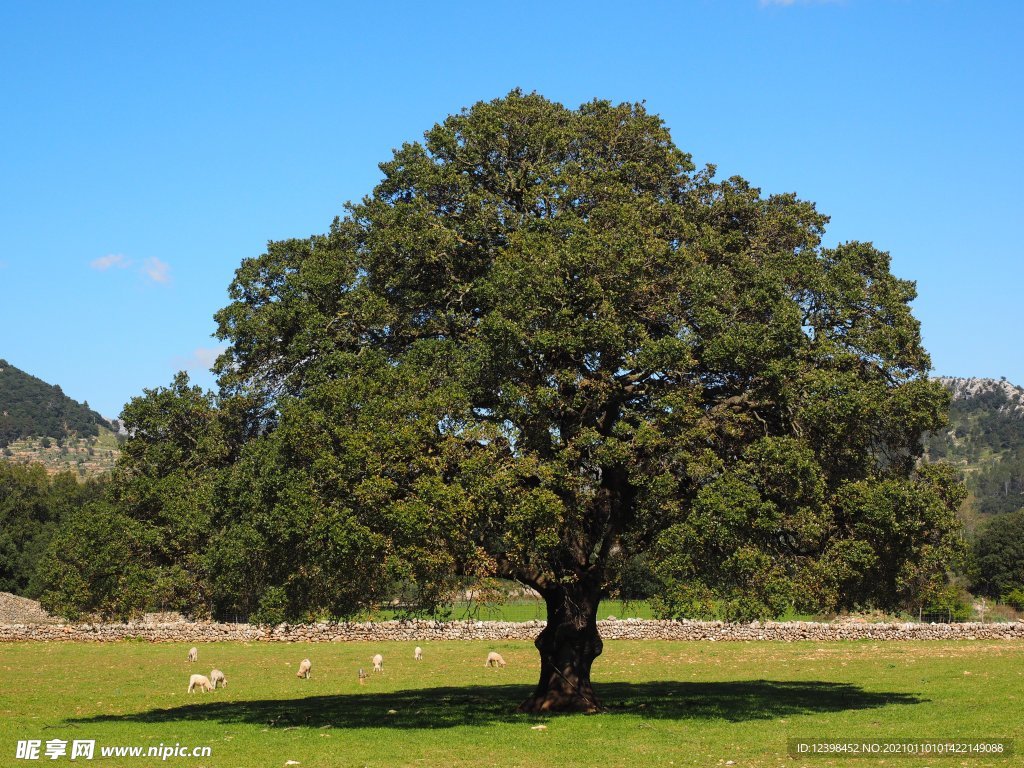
{"x": 1015, "y": 599}
{"x": 92, "y": 567}
{"x": 951, "y": 601}
{"x": 273, "y": 607}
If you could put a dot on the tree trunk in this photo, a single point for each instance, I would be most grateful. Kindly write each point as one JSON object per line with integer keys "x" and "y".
{"x": 568, "y": 646}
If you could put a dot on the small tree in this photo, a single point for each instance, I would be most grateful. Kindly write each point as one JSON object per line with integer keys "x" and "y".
{"x": 161, "y": 499}
{"x": 999, "y": 555}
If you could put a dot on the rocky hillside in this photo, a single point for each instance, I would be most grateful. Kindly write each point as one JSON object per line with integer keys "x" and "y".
{"x": 1010, "y": 397}
{"x": 83, "y": 456}
{"x": 985, "y": 438}
{"x": 39, "y": 423}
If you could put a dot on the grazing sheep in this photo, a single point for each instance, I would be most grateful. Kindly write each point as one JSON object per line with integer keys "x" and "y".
{"x": 418, "y": 653}
{"x": 193, "y": 654}
{"x": 378, "y": 663}
{"x": 216, "y": 676}
{"x": 304, "y": 666}
{"x": 494, "y": 660}
{"x": 199, "y": 680}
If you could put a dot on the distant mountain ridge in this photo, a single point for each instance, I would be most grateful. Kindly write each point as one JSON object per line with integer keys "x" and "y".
{"x": 974, "y": 387}
{"x": 31, "y": 407}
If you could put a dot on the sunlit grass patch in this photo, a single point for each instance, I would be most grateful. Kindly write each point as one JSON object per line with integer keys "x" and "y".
{"x": 668, "y": 703}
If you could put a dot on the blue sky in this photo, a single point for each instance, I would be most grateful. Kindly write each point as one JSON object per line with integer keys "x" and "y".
{"x": 146, "y": 149}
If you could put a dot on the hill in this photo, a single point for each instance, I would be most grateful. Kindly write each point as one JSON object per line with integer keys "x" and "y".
{"x": 85, "y": 456}
{"x": 985, "y": 438}
{"x": 39, "y": 423}
{"x": 31, "y": 407}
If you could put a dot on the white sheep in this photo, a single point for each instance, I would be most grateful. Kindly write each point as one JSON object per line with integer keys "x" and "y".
{"x": 378, "y": 663}
{"x": 494, "y": 660}
{"x": 304, "y": 666}
{"x": 216, "y": 676}
{"x": 193, "y": 654}
{"x": 199, "y": 680}
{"x": 417, "y": 653}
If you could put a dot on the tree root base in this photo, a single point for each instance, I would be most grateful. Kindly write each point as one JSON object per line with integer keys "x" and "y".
{"x": 555, "y": 703}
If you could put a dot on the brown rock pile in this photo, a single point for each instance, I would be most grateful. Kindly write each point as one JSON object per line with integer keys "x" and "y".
{"x": 21, "y": 610}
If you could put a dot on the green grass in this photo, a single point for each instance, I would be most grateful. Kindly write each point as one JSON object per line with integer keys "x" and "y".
{"x": 669, "y": 703}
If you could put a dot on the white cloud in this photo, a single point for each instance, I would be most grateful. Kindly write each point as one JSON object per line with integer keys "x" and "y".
{"x": 156, "y": 270}
{"x": 201, "y": 359}
{"x": 103, "y": 263}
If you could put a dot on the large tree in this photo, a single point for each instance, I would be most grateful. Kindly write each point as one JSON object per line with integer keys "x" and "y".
{"x": 545, "y": 345}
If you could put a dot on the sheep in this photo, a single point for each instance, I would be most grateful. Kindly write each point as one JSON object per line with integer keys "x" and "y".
{"x": 193, "y": 654}
{"x": 216, "y": 676}
{"x": 362, "y": 676}
{"x": 418, "y": 653}
{"x": 378, "y": 663}
{"x": 494, "y": 660}
{"x": 304, "y": 666}
{"x": 199, "y": 680}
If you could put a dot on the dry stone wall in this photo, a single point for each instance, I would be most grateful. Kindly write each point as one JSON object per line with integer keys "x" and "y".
{"x": 22, "y": 610}
{"x": 621, "y": 629}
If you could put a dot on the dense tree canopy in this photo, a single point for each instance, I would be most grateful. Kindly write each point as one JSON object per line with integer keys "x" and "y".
{"x": 33, "y": 508}
{"x": 547, "y": 345}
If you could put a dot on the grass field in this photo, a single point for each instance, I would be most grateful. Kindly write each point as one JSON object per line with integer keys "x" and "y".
{"x": 669, "y": 703}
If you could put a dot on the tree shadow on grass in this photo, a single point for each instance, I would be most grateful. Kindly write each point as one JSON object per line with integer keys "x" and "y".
{"x": 430, "y": 708}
